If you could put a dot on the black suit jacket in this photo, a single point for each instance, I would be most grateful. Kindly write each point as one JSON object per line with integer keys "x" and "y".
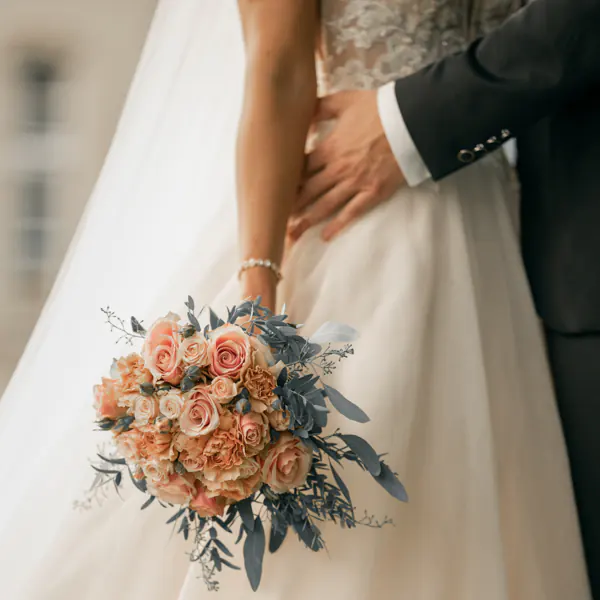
{"x": 537, "y": 77}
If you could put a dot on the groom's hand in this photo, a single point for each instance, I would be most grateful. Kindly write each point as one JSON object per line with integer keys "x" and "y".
{"x": 351, "y": 171}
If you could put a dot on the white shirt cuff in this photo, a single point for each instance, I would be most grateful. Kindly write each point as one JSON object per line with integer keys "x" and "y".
{"x": 411, "y": 164}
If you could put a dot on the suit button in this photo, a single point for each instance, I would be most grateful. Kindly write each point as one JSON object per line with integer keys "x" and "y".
{"x": 493, "y": 141}
{"x": 466, "y": 156}
{"x": 505, "y": 134}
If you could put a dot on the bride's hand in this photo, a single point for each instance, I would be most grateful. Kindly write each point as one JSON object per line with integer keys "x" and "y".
{"x": 259, "y": 282}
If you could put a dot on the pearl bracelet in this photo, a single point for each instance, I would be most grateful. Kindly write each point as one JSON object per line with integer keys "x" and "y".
{"x": 252, "y": 263}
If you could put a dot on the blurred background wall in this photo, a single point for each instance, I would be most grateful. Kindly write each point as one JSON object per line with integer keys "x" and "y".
{"x": 65, "y": 67}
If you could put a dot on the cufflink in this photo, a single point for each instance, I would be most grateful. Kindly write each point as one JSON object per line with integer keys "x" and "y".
{"x": 466, "y": 156}
{"x": 479, "y": 148}
{"x": 493, "y": 141}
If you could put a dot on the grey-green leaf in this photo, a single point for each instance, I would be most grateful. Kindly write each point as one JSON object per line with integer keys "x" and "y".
{"x": 388, "y": 480}
{"x": 365, "y": 452}
{"x": 254, "y": 550}
{"x": 340, "y": 482}
{"x": 245, "y": 509}
{"x": 345, "y": 407}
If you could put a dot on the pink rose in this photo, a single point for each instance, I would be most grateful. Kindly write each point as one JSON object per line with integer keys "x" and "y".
{"x": 158, "y": 471}
{"x": 106, "y": 400}
{"x": 161, "y": 350}
{"x": 191, "y": 452}
{"x": 146, "y": 410}
{"x": 255, "y": 432}
{"x": 287, "y": 464}
{"x": 171, "y": 405}
{"x": 177, "y": 489}
{"x": 279, "y": 420}
{"x": 205, "y": 506}
{"x": 235, "y": 489}
{"x": 200, "y": 413}
{"x": 230, "y": 351}
{"x": 223, "y": 389}
{"x": 130, "y": 372}
{"x": 194, "y": 351}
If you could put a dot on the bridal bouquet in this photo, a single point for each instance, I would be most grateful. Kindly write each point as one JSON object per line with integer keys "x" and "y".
{"x": 226, "y": 423}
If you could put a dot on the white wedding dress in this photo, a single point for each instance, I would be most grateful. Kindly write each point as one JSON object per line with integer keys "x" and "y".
{"x": 450, "y": 364}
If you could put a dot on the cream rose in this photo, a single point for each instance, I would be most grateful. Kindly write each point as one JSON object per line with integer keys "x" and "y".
{"x": 194, "y": 350}
{"x": 161, "y": 350}
{"x": 177, "y": 489}
{"x": 223, "y": 389}
{"x": 287, "y": 464}
{"x": 254, "y": 428}
{"x": 279, "y": 420}
{"x": 146, "y": 410}
{"x": 171, "y": 405}
{"x": 230, "y": 351}
{"x": 158, "y": 471}
{"x": 106, "y": 400}
{"x": 200, "y": 413}
{"x": 207, "y": 506}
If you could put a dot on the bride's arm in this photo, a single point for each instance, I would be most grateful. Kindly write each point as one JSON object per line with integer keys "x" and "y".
{"x": 279, "y": 102}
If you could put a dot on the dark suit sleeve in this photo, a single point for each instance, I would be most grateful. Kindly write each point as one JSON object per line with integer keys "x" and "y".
{"x": 467, "y": 104}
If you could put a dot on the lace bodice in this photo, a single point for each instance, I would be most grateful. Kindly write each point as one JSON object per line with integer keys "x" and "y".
{"x": 366, "y": 43}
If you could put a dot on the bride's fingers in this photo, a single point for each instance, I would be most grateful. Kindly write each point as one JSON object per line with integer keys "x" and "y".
{"x": 352, "y": 211}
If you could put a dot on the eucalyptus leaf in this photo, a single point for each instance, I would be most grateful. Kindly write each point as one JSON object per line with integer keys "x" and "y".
{"x": 176, "y": 516}
{"x": 136, "y": 326}
{"x": 345, "y": 407}
{"x": 277, "y": 537}
{"x": 388, "y": 480}
{"x": 365, "y": 452}
{"x": 245, "y": 509}
{"x": 215, "y": 320}
{"x": 193, "y": 321}
{"x": 190, "y": 303}
{"x": 223, "y": 548}
{"x": 214, "y": 554}
{"x": 148, "y": 502}
{"x": 343, "y": 487}
{"x": 254, "y": 550}
{"x": 228, "y": 564}
{"x": 146, "y": 389}
{"x": 334, "y": 332}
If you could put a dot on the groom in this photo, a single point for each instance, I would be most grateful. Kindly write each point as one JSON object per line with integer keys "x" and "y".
{"x": 536, "y": 78}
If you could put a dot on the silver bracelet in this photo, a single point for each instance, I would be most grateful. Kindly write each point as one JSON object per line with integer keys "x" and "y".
{"x": 252, "y": 263}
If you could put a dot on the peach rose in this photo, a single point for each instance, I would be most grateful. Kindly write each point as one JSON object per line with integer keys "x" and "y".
{"x": 254, "y": 428}
{"x": 287, "y": 464}
{"x": 106, "y": 400}
{"x": 235, "y": 490}
{"x": 130, "y": 372}
{"x": 230, "y": 351}
{"x": 207, "y": 506}
{"x": 156, "y": 442}
{"x": 200, "y": 413}
{"x": 191, "y": 452}
{"x": 225, "y": 454}
{"x": 260, "y": 383}
{"x": 279, "y": 420}
{"x": 146, "y": 410}
{"x": 223, "y": 389}
{"x": 158, "y": 471}
{"x": 129, "y": 444}
{"x": 194, "y": 351}
{"x": 177, "y": 489}
{"x": 161, "y": 350}
{"x": 171, "y": 405}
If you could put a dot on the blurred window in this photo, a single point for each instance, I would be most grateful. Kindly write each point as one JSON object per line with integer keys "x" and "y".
{"x": 39, "y": 79}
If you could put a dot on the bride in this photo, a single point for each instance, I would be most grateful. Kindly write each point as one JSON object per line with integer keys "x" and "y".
{"x": 450, "y": 364}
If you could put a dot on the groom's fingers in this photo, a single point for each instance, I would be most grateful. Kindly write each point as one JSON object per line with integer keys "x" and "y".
{"x": 330, "y": 107}
{"x": 325, "y": 207}
{"x": 354, "y": 210}
{"x": 314, "y": 187}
